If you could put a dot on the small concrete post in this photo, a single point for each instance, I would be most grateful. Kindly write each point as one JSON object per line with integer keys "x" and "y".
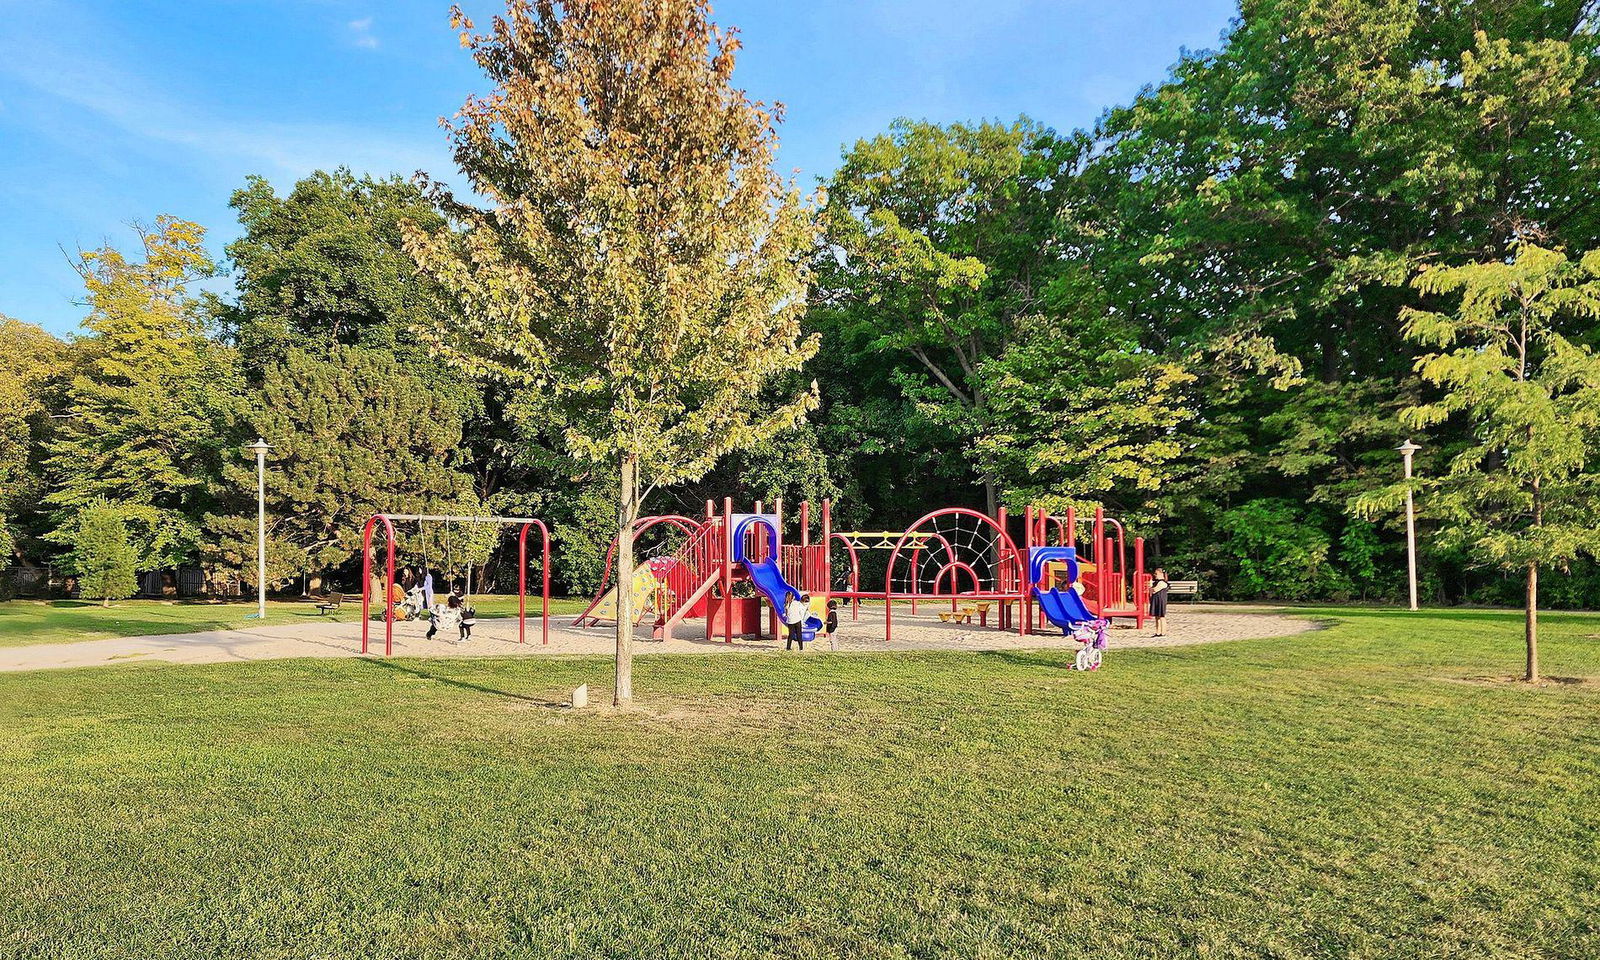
{"x": 580, "y": 697}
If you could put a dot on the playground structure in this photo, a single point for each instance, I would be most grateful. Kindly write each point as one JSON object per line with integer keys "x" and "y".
{"x": 723, "y": 567}
{"x": 953, "y": 554}
{"x": 388, "y": 520}
{"x": 698, "y": 576}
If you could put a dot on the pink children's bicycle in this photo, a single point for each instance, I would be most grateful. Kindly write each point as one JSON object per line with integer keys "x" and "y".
{"x": 1092, "y": 639}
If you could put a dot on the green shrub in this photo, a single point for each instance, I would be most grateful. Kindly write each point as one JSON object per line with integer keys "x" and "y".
{"x": 103, "y": 556}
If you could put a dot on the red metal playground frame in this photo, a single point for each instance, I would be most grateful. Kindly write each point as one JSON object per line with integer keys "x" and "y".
{"x": 702, "y": 573}
{"x": 1109, "y": 591}
{"x": 388, "y": 520}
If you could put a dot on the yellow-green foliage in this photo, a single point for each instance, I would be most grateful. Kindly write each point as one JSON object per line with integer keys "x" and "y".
{"x": 640, "y": 266}
{"x": 146, "y": 395}
{"x": 30, "y": 362}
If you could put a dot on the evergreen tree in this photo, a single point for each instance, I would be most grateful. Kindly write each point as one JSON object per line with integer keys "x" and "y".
{"x": 102, "y": 555}
{"x": 325, "y": 265}
{"x": 641, "y": 264}
{"x": 148, "y": 396}
{"x": 354, "y": 431}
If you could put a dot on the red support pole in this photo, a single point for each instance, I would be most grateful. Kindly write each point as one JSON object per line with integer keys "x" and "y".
{"x": 522, "y": 582}
{"x": 827, "y": 547}
{"x": 1103, "y": 570}
{"x": 366, "y": 583}
{"x": 1027, "y": 596}
{"x": 727, "y": 569}
{"x": 388, "y": 608}
{"x": 1003, "y": 621}
{"x": 1099, "y": 535}
{"x": 1139, "y": 603}
{"x": 775, "y": 619}
{"x": 708, "y": 559}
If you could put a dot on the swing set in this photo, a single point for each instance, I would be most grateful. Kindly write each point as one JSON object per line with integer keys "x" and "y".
{"x": 388, "y": 520}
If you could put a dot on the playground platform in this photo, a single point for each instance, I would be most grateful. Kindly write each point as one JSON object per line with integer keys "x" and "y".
{"x": 1190, "y": 624}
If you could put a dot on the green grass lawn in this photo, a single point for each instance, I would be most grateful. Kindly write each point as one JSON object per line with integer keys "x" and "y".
{"x": 1372, "y": 790}
{"x": 69, "y": 621}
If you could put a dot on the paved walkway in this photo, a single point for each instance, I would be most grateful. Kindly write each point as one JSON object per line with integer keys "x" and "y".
{"x": 1190, "y": 623}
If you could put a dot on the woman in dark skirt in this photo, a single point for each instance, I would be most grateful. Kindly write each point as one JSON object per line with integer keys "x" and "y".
{"x": 1158, "y": 600}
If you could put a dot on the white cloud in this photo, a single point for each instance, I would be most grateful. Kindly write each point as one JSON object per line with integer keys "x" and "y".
{"x": 273, "y": 148}
{"x": 361, "y": 31}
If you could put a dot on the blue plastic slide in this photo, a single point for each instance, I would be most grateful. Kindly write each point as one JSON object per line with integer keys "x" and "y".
{"x": 1064, "y": 608}
{"x": 768, "y": 579}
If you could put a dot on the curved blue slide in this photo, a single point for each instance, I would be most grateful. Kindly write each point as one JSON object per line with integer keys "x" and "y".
{"x": 768, "y": 578}
{"x": 1064, "y": 609}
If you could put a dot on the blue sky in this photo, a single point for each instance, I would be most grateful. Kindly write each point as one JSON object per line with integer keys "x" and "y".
{"x": 119, "y": 110}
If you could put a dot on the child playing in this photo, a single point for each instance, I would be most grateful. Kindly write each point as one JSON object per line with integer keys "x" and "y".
{"x": 1159, "y": 588}
{"x": 446, "y": 613}
{"x": 469, "y": 618}
{"x": 794, "y": 616}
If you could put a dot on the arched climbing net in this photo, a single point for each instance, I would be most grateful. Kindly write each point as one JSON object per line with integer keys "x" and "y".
{"x": 954, "y": 553}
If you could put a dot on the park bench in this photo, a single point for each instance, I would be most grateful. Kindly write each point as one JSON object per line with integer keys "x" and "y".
{"x": 1183, "y": 588}
{"x": 329, "y": 602}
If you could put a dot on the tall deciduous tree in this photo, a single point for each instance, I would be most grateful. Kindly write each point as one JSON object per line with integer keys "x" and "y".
{"x": 1080, "y": 416}
{"x": 937, "y": 246}
{"x": 641, "y": 264}
{"x": 324, "y": 265}
{"x": 148, "y": 391}
{"x": 1265, "y": 208}
{"x": 1524, "y": 493}
{"x": 31, "y": 370}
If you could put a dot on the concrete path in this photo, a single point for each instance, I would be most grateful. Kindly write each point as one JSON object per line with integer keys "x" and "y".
{"x": 1189, "y": 624}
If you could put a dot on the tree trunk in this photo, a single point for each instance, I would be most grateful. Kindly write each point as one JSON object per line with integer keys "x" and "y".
{"x": 1532, "y": 622}
{"x": 627, "y": 513}
{"x": 105, "y": 601}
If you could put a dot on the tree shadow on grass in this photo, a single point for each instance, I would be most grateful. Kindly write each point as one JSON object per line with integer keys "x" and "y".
{"x": 464, "y": 685}
{"x": 1519, "y": 682}
{"x": 1025, "y": 659}
{"x": 1491, "y": 615}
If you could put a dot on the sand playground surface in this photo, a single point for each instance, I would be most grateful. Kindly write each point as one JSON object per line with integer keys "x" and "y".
{"x": 1188, "y": 624}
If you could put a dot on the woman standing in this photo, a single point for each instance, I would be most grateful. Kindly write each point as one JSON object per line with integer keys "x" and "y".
{"x": 1158, "y": 600}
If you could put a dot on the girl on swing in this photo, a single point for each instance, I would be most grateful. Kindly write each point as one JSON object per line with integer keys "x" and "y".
{"x": 453, "y": 610}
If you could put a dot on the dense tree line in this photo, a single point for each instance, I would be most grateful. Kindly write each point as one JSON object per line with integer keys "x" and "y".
{"x": 1205, "y": 313}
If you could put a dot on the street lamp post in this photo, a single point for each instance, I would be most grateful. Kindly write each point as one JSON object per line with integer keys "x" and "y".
{"x": 1406, "y": 450}
{"x": 260, "y": 448}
